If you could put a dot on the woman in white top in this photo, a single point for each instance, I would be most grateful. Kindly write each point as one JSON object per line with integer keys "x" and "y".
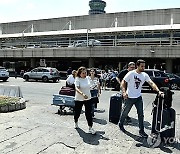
{"x": 94, "y": 89}
{"x": 83, "y": 97}
{"x": 70, "y": 80}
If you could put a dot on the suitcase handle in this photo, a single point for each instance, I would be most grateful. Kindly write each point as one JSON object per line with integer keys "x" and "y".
{"x": 157, "y": 112}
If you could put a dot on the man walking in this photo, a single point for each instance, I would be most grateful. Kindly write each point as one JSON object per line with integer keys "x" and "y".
{"x": 132, "y": 95}
{"x": 119, "y": 78}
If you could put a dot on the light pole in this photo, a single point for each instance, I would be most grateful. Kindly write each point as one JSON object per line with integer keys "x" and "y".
{"x": 88, "y": 30}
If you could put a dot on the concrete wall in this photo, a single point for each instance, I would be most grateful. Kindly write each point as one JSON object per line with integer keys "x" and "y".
{"x": 87, "y": 52}
{"x": 135, "y": 18}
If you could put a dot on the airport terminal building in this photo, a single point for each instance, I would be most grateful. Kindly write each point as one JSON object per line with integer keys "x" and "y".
{"x": 152, "y": 35}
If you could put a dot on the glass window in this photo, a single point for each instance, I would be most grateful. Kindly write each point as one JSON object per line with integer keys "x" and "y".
{"x": 34, "y": 70}
{"x": 157, "y": 74}
{"x": 150, "y": 73}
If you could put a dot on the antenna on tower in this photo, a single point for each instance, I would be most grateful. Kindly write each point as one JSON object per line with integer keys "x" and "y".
{"x": 70, "y": 25}
{"x": 115, "y": 23}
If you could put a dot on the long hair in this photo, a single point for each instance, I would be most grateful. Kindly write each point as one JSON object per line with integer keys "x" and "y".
{"x": 80, "y": 69}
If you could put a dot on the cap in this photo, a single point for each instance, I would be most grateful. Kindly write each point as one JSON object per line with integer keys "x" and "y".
{"x": 131, "y": 63}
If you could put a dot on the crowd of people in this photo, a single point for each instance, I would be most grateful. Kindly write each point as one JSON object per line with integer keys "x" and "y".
{"x": 88, "y": 88}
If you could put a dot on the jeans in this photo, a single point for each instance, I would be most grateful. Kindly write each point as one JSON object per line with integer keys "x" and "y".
{"x": 129, "y": 102}
{"x": 94, "y": 93}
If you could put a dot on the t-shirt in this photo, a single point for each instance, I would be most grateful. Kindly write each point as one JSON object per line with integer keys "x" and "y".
{"x": 135, "y": 81}
{"x": 122, "y": 74}
{"x": 93, "y": 83}
{"x": 84, "y": 85}
{"x": 70, "y": 80}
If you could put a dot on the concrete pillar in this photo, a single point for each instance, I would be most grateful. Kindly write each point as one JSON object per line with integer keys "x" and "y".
{"x": 91, "y": 62}
{"x": 169, "y": 65}
{"x": 33, "y": 62}
{"x": 119, "y": 66}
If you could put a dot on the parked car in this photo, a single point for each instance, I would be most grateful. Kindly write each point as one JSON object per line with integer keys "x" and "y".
{"x": 158, "y": 77}
{"x": 32, "y": 46}
{"x": 83, "y": 43}
{"x": 42, "y": 73}
{"x": 4, "y": 74}
{"x": 174, "y": 81}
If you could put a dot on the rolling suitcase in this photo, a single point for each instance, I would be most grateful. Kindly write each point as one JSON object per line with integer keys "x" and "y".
{"x": 163, "y": 123}
{"x": 115, "y": 108}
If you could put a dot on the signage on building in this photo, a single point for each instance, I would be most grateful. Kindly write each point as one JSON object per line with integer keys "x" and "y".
{"x": 42, "y": 62}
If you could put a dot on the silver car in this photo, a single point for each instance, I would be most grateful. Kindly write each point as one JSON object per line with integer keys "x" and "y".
{"x": 83, "y": 43}
{"x": 42, "y": 73}
{"x": 4, "y": 74}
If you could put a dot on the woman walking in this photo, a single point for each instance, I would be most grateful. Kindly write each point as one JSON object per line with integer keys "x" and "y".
{"x": 83, "y": 97}
{"x": 94, "y": 89}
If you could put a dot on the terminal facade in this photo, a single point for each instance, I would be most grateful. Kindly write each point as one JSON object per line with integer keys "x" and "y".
{"x": 152, "y": 35}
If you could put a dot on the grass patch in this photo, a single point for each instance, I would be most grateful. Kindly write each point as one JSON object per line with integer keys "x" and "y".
{"x": 5, "y": 100}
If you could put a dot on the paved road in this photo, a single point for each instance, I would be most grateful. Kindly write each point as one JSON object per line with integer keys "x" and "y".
{"x": 38, "y": 129}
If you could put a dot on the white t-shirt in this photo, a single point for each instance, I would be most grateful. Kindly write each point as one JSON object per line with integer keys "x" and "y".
{"x": 134, "y": 83}
{"x": 70, "y": 80}
{"x": 84, "y": 85}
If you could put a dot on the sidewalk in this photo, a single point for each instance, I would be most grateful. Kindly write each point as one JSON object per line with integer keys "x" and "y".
{"x": 38, "y": 129}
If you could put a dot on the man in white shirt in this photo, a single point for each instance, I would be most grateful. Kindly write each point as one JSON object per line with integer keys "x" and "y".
{"x": 133, "y": 96}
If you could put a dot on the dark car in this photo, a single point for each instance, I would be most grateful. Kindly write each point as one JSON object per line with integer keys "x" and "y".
{"x": 174, "y": 81}
{"x": 158, "y": 77}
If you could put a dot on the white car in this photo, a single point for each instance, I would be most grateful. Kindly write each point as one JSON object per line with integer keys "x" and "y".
{"x": 4, "y": 74}
{"x": 42, "y": 73}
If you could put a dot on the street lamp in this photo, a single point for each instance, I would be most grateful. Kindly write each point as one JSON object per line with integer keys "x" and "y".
{"x": 88, "y": 30}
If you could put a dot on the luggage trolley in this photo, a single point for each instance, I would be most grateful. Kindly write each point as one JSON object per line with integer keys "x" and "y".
{"x": 63, "y": 101}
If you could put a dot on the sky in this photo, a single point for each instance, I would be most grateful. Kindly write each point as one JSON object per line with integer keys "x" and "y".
{"x": 23, "y": 10}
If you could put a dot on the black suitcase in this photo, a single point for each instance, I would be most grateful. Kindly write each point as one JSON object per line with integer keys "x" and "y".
{"x": 164, "y": 123}
{"x": 115, "y": 108}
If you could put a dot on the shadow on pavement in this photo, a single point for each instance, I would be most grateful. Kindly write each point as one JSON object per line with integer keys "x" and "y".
{"x": 100, "y": 121}
{"x": 135, "y": 122}
{"x": 143, "y": 143}
{"x": 91, "y": 139}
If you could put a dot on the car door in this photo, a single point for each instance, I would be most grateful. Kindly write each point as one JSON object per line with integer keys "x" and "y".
{"x": 33, "y": 73}
{"x": 39, "y": 73}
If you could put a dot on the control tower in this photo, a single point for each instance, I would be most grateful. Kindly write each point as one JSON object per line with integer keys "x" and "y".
{"x": 97, "y": 6}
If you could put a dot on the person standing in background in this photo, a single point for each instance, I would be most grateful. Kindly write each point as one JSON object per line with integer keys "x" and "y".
{"x": 83, "y": 97}
{"x": 95, "y": 89}
{"x": 70, "y": 80}
{"x": 69, "y": 71}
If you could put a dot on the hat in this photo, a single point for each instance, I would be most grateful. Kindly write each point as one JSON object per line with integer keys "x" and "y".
{"x": 131, "y": 63}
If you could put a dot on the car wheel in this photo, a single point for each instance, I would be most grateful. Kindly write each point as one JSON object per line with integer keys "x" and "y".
{"x": 174, "y": 86}
{"x": 54, "y": 80}
{"x": 4, "y": 80}
{"x": 26, "y": 78}
{"x": 45, "y": 79}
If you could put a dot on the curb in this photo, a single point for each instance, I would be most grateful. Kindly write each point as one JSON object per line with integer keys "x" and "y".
{"x": 12, "y": 107}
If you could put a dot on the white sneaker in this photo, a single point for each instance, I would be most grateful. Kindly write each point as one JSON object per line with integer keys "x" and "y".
{"x": 76, "y": 125}
{"x": 92, "y": 131}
